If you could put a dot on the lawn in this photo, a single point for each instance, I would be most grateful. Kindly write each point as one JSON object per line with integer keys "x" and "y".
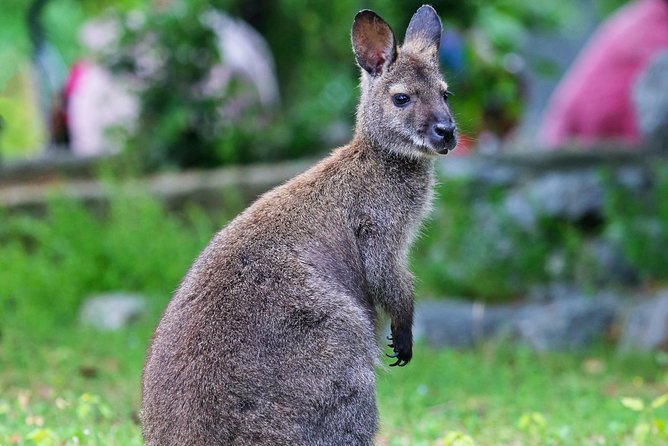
{"x": 63, "y": 385}
{"x": 82, "y": 387}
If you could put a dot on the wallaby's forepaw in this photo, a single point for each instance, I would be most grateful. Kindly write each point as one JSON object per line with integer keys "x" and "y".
{"x": 402, "y": 344}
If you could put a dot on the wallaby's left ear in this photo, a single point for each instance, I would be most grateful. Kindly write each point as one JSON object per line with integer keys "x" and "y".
{"x": 374, "y": 44}
{"x": 424, "y": 30}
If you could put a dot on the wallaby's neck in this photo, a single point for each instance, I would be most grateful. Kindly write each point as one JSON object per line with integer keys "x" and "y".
{"x": 420, "y": 165}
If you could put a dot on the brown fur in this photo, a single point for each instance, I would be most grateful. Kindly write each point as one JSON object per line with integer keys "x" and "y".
{"x": 270, "y": 338}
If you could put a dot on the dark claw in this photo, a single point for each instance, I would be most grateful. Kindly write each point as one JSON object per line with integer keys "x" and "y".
{"x": 400, "y": 343}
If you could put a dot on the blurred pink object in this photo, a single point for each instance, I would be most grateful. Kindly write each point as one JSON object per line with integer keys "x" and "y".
{"x": 74, "y": 77}
{"x": 593, "y": 102}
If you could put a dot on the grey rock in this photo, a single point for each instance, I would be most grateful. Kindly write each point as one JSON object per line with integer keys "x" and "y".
{"x": 645, "y": 326}
{"x": 113, "y": 311}
{"x": 545, "y": 293}
{"x": 497, "y": 243}
{"x": 458, "y": 168}
{"x": 650, "y": 97}
{"x": 497, "y": 175}
{"x": 612, "y": 266}
{"x": 477, "y": 169}
{"x": 571, "y": 195}
{"x": 632, "y": 178}
{"x": 567, "y": 324}
{"x": 564, "y": 324}
{"x": 457, "y": 323}
{"x": 521, "y": 210}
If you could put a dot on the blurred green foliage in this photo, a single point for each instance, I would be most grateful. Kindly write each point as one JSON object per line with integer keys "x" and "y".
{"x": 482, "y": 253}
{"x": 471, "y": 247}
{"x": 50, "y": 264}
{"x": 177, "y": 124}
{"x": 137, "y": 245}
{"x": 316, "y": 71}
{"x": 640, "y": 226}
{"x": 311, "y": 45}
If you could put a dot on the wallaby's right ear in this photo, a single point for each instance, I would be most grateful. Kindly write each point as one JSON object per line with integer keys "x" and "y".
{"x": 374, "y": 44}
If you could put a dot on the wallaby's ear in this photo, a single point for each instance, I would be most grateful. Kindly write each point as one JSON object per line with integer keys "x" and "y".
{"x": 424, "y": 30}
{"x": 374, "y": 44}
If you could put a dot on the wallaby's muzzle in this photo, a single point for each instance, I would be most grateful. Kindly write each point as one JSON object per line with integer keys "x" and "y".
{"x": 443, "y": 135}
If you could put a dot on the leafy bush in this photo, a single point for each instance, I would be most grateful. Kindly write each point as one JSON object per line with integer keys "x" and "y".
{"x": 311, "y": 45}
{"x": 317, "y": 75}
{"x": 640, "y": 226}
{"x": 170, "y": 56}
{"x": 470, "y": 247}
{"x": 49, "y": 265}
{"x": 310, "y": 42}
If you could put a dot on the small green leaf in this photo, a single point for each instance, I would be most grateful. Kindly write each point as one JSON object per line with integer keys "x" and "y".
{"x": 635, "y": 404}
{"x": 641, "y": 432}
{"x": 83, "y": 410}
{"x": 538, "y": 419}
{"x": 531, "y": 420}
{"x": 659, "y": 426}
{"x": 105, "y": 411}
{"x": 456, "y": 438}
{"x": 42, "y": 437}
{"x": 660, "y": 401}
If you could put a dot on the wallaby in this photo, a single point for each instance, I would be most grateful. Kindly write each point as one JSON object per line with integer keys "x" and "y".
{"x": 269, "y": 340}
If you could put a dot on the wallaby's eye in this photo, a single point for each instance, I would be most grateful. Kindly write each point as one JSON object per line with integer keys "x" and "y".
{"x": 446, "y": 95}
{"x": 400, "y": 99}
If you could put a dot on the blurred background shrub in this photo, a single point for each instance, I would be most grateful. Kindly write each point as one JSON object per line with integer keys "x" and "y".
{"x": 181, "y": 123}
{"x": 50, "y": 265}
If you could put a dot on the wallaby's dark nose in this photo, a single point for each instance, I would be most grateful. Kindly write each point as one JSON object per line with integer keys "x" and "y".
{"x": 443, "y": 131}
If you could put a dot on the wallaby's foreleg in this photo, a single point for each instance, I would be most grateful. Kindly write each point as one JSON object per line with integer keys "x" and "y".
{"x": 398, "y": 304}
{"x": 391, "y": 286}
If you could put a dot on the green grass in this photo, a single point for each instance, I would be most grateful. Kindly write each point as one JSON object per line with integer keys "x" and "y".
{"x": 78, "y": 387}
{"x": 62, "y": 385}
{"x": 85, "y": 384}
{"x": 509, "y": 396}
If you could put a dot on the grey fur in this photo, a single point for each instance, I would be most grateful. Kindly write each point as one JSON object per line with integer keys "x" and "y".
{"x": 269, "y": 339}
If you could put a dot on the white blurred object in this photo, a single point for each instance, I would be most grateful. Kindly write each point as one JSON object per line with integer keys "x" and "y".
{"x": 97, "y": 105}
{"x": 113, "y": 311}
{"x": 245, "y": 53}
{"x": 99, "y": 34}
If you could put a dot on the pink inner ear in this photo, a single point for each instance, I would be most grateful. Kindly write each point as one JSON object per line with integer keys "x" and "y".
{"x": 377, "y": 59}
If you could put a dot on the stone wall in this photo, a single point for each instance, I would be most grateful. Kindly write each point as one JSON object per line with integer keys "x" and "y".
{"x": 27, "y": 187}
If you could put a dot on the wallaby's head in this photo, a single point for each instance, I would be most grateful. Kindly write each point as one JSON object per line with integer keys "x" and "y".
{"x": 404, "y": 104}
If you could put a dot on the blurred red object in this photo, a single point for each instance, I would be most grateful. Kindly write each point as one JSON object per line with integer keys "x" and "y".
{"x": 465, "y": 145}
{"x": 593, "y": 102}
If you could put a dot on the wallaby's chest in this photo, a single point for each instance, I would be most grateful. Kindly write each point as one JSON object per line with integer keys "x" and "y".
{"x": 394, "y": 207}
